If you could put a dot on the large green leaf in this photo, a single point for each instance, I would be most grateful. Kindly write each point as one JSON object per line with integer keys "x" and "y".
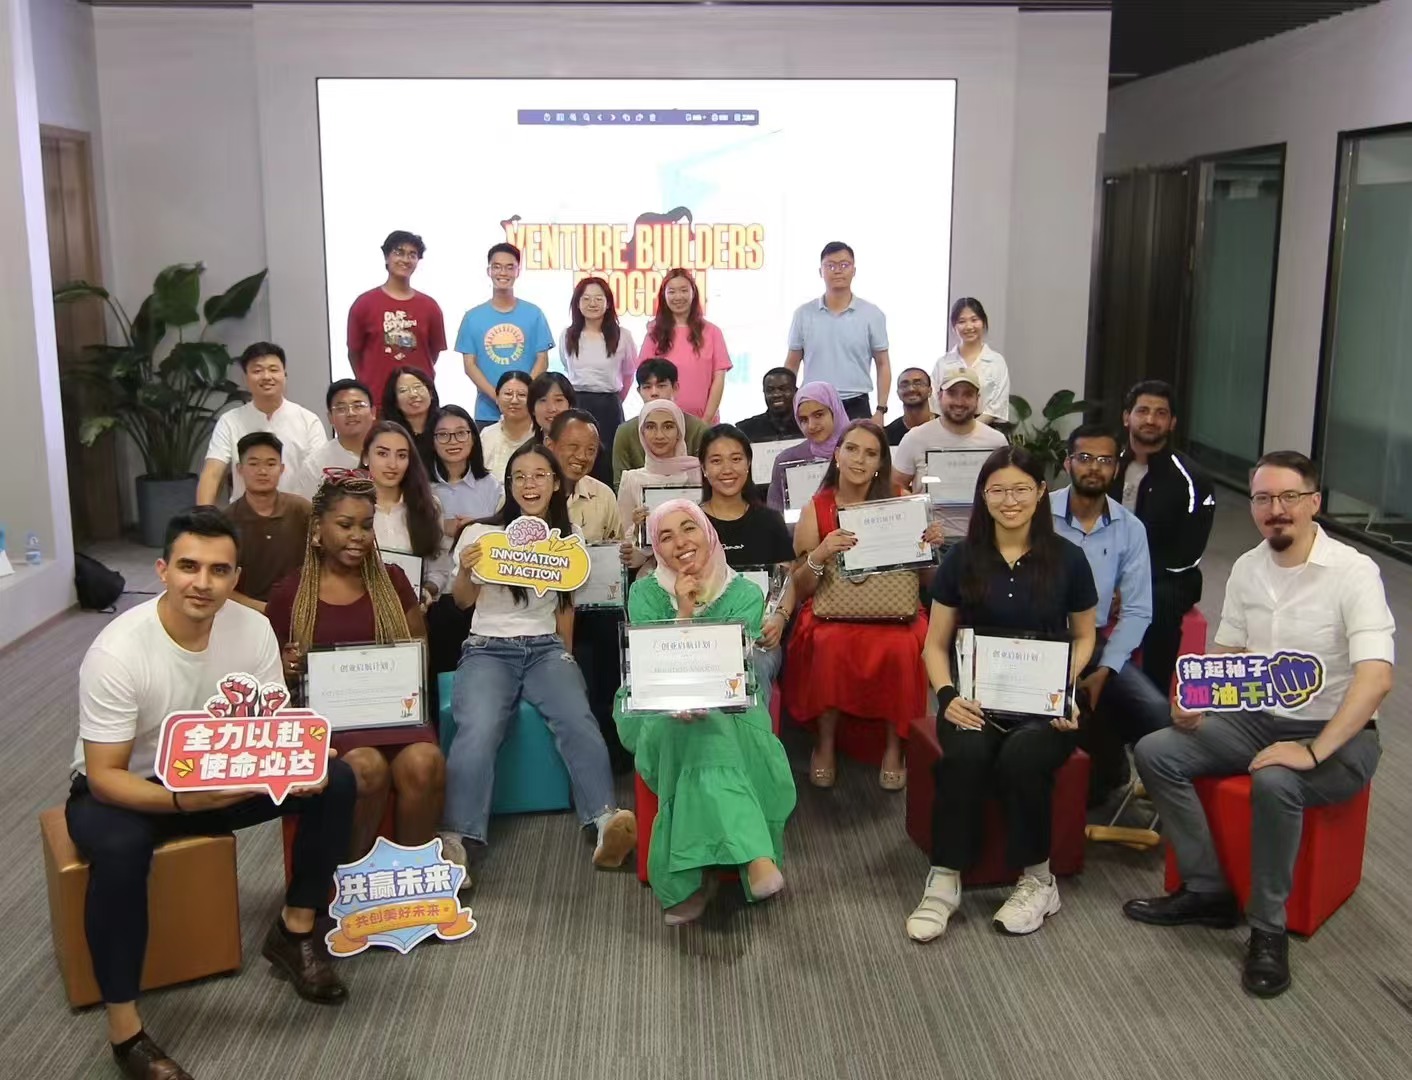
{"x": 92, "y": 428}
{"x": 235, "y": 302}
{"x": 205, "y": 362}
{"x": 70, "y": 291}
{"x": 148, "y": 327}
{"x": 176, "y": 292}
{"x": 1022, "y": 408}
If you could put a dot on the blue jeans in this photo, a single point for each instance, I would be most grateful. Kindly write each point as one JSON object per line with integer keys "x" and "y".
{"x": 492, "y": 677}
{"x": 1138, "y": 707}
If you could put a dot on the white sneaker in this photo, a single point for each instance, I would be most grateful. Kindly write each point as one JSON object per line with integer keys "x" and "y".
{"x": 454, "y": 850}
{"x": 1029, "y": 905}
{"x": 940, "y": 899}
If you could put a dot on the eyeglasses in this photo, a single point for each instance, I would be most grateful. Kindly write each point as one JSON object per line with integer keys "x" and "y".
{"x": 1089, "y": 459}
{"x": 520, "y": 479}
{"x": 458, "y": 435}
{"x": 503, "y": 268}
{"x": 412, "y": 391}
{"x": 906, "y": 384}
{"x": 1022, "y": 493}
{"x": 513, "y": 396}
{"x": 406, "y": 253}
{"x": 350, "y": 408}
{"x": 838, "y": 267}
{"x": 1288, "y": 499}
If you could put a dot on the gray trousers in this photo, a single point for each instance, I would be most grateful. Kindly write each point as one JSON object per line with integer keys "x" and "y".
{"x": 1224, "y": 745}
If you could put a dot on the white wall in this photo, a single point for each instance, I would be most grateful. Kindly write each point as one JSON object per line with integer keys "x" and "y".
{"x": 36, "y": 498}
{"x": 1301, "y": 88}
{"x": 210, "y": 123}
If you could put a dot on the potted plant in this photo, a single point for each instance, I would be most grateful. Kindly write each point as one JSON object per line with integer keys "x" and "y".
{"x": 1044, "y": 440}
{"x": 165, "y": 401}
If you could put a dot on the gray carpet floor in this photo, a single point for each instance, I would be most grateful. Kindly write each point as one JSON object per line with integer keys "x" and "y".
{"x": 572, "y": 973}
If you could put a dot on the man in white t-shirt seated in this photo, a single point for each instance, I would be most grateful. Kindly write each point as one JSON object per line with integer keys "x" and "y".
{"x": 351, "y": 413}
{"x": 165, "y": 655}
{"x": 1302, "y": 591}
{"x": 955, "y": 429}
{"x": 298, "y": 429}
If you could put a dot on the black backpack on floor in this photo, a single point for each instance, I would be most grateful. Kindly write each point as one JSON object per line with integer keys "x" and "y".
{"x": 98, "y": 587}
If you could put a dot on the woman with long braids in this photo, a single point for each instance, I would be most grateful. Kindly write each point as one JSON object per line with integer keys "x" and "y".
{"x": 344, "y": 594}
{"x": 521, "y": 646}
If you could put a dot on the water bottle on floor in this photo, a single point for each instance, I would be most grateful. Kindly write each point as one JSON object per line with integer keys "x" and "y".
{"x": 33, "y": 556}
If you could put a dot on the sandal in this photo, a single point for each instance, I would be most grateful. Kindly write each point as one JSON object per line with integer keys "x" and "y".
{"x": 892, "y": 779}
{"x": 822, "y": 778}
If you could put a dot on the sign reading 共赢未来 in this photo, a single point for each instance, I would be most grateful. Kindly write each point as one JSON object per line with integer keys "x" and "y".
{"x": 1248, "y": 682}
{"x": 397, "y": 897}
{"x": 530, "y": 554}
{"x": 244, "y": 739}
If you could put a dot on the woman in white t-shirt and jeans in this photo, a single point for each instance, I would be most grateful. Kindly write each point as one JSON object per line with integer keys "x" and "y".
{"x": 521, "y": 646}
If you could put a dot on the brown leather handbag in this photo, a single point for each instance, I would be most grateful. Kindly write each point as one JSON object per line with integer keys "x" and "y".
{"x": 889, "y": 596}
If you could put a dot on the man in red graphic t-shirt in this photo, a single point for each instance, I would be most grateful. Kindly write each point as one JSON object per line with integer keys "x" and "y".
{"x": 394, "y": 324}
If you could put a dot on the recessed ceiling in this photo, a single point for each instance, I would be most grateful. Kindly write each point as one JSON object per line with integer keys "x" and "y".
{"x": 1149, "y": 36}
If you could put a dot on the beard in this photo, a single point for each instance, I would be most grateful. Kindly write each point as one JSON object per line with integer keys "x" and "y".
{"x": 1147, "y": 440}
{"x": 958, "y": 415}
{"x": 1089, "y": 485}
{"x": 1282, "y": 540}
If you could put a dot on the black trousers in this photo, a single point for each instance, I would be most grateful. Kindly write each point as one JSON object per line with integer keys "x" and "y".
{"x": 118, "y": 844}
{"x": 1173, "y": 595}
{"x": 1018, "y": 768}
{"x": 607, "y": 410}
{"x": 858, "y": 408}
{"x": 596, "y": 649}
{"x": 447, "y": 629}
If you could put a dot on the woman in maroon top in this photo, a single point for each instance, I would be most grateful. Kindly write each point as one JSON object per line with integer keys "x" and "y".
{"x": 345, "y": 595}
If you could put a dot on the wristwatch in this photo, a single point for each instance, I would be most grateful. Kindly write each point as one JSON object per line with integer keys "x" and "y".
{"x": 881, "y": 409}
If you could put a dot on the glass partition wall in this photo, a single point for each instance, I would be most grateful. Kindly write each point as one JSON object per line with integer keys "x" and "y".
{"x": 1235, "y": 249}
{"x": 1364, "y": 424}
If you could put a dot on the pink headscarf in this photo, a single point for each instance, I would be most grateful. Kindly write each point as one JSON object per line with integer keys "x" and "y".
{"x": 824, "y": 394}
{"x": 681, "y": 461}
{"x": 718, "y": 574}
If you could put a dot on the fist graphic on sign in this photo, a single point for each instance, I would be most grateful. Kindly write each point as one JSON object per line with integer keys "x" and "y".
{"x": 1296, "y": 677}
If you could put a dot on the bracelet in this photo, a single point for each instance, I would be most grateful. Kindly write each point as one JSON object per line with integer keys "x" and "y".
{"x": 176, "y": 804}
{"x": 1310, "y": 748}
{"x": 945, "y": 695}
{"x": 809, "y": 562}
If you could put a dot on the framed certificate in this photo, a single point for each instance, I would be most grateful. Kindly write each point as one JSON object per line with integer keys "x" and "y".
{"x": 365, "y": 686}
{"x": 770, "y": 578}
{"x": 950, "y": 475}
{"x": 687, "y": 664}
{"x": 889, "y": 535}
{"x": 653, "y": 497}
{"x": 1019, "y": 677}
{"x": 762, "y": 458}
{"x": 801, "y": 483}
{"x": 605, "y": 587}
{"x": 411, "y": 564}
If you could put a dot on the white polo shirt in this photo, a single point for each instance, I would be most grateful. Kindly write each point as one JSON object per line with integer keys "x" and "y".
{"x": 1333, "y": 606}
{"x": 310, "y": 472}
{"x": 296, "y": 427}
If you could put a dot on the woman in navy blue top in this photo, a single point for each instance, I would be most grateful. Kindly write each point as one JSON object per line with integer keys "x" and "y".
{"x": 1012, "y": 572}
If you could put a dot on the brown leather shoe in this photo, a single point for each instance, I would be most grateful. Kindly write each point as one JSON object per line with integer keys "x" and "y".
{"x": 305, "y": 963}
{"x": 145, "y": 1060}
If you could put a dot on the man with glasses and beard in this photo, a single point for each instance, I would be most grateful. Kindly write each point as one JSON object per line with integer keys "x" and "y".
{"x": 1122, "y": 703}
{"x": 914, "y": 390}
{"x": 1173, "y": 499}
{"x": 1300, "y": 590}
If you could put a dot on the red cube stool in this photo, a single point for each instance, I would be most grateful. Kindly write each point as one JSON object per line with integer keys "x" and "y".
{"x": 1070, "y": 807}
{"x": 1327, "y": 869}
{"x": 645, "y": 802}
{"x": 291, "y": 823}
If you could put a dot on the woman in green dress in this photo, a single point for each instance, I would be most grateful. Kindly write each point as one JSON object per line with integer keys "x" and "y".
{"x": 722, "y": 780}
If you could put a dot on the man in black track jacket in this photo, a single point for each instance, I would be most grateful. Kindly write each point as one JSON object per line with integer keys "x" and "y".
{"x": 1174, "y": 500}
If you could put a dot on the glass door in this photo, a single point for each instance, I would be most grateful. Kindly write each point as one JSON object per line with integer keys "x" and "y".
{"x": 1364, "y": 429}
{"x": 1233, "y": 293}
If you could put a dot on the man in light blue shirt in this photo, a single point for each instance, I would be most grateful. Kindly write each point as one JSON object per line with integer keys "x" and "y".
{"x": 839, "y": 338}
{"x": 1125, "y": 703}
{"x": 502, "y": 334}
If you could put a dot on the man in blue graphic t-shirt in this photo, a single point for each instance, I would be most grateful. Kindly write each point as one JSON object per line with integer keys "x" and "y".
{"x": 502, "y": 334}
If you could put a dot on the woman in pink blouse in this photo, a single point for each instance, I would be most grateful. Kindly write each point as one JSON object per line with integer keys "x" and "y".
{"x": 682, "y": 335}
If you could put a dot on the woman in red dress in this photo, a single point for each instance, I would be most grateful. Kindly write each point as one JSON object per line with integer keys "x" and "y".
{"x": 862, "y": 671}
{"x": 346, "y": 595}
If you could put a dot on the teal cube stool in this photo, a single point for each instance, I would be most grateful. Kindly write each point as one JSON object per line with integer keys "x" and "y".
{"x": 530, "y": 776}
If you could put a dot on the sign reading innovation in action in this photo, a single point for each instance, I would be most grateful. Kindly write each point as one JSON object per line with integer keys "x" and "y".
{"x": 397, "y": 897}
{"x": 243, "y": 740}
{"x": 1250, "y": 682}
{"x": 532, "y": 555}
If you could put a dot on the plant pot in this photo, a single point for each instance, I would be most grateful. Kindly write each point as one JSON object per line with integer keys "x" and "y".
{"x": 158, "y": 501}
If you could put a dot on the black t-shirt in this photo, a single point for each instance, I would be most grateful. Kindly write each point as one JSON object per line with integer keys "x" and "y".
{"x": 1015, "y": 599}
{"x": 763, "y": 428}
{"x": 895, "y": 430}
{"x": 756, "y": 538}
